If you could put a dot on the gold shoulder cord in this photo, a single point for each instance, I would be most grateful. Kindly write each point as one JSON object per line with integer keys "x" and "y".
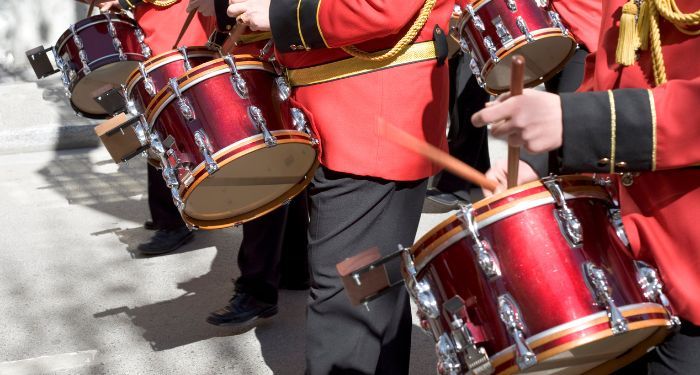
{"x": 162, "y": 3}
{"x": 402, "y": 44}
{"x": 646, "y": 33}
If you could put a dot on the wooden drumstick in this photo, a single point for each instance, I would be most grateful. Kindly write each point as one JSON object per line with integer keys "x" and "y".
{"x": 517, "y": 76}
{"x": 188, "y": 20}
{"x": 436, "y": 155}
{"x": 90, "y": 8}
{"x": 232, "y": 41}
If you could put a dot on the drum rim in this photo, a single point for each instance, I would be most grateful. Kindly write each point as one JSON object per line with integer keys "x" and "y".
{"x": 192, "y": 78}
{"x": 221, "y": 157}
{"x": 96, "y": 19}
{"x": 507, "y": 355}
{"x": 163, "y": 59}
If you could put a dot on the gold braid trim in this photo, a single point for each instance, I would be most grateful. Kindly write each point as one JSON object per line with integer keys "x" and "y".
{"x": 402, "y": 44}
{"x": 162, "y": 3}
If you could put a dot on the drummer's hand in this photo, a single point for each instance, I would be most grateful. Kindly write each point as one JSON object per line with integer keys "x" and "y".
{"x": 206, "y": 7}
{"x": 499, "y": 173}
{"x": 108, "y": 5}
{"x": 253, "y": 13}
{"x": 532, "y": 120}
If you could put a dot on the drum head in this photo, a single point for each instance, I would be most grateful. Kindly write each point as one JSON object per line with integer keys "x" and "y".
{"x": 252, "y": 182}
{"x": 98, "y": 81}
{"x": 544, "y": 58}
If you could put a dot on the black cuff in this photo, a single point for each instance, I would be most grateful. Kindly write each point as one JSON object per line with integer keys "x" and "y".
{"x": 294, "y": 26}
{"x": 586, "y": 136}
{"x": 129, "y": 4}
{"x": 589, "y": 143}
{"x": 223, "y": 21}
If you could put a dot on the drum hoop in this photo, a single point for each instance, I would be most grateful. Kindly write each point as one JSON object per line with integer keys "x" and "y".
{"x": 135, "y": 76}
{"x": 430, "y": 250}
{"x": 159, "y": 103}
{"x": 66, "y": 36}
{"x": 584, "y": 323}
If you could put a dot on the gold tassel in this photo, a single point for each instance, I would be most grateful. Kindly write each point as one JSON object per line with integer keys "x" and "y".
{"x": 643, "y": 24}
{"x": 628, "y": 41}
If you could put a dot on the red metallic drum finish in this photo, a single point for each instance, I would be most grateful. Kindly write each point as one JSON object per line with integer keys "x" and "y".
{"x": 223, "y": 115}
{"x": 161, "y": 68}
{"x": 539, "y": 268}
{"x": 98, "y": 47}
{"x": 542, "y": 63}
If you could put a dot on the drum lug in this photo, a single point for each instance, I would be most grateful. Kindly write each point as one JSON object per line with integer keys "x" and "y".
{"x": 556, "y": 22}
{"x": 185, "y": 59}
{"x": 510, "y": 316}
{"x": 258, "y": 120}
{"x": 542, "y": 3}
{"x": 184, "y": 174}
{"x": 183, "y": 104}
{"x": 478, "y": 23}
{"x": 600, "y": 288}
{"x": 420, "y": 291}
{"x": 237, "y": 81}
{"x": 141, "y": 130}
{"x": 447, "y": 363}
{"x": 65, "y": 71}
{"x": 652, "y": 287}
{"x": 491, "y": 48}
{"x": 300, "y": 123}
{"x": 115, "y": 41}
{"x": 522, "y": 25}
{"x": 511, "y": 5}
{"x": 503, "y": 34}
{"x": 145, "y": 50}
{"x": 615, "y": 217}
{"x": 147, "y": 80}
{"x": 477, "y": 73}
{"x": 283, "y": 90}
{"x": 476, "y": 359}
{"x": 569, "y": 224}
{"x": 202, "y": 141}
{"x": 481, "y": 247}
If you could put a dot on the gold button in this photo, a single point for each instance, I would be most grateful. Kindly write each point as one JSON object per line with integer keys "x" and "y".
{"x": 621, "y": 165}
{"x": 603, "y": 162}
{"x": 228, "y": 27}
{"x": 293, "y": 47}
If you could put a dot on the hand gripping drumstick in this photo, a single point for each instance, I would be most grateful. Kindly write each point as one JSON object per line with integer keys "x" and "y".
{"x": 188, "y": 20}
{"x": 232, "y": 41}
{"x": 436, "y": 155}
{"x": 516, "y": 88}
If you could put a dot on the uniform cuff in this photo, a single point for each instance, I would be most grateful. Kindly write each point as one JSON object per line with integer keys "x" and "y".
{"x": 608, "y": 132}
{"x": 223, "y": 21}
{"x": 129, "y": 4}
{"x": 294, "y": 25}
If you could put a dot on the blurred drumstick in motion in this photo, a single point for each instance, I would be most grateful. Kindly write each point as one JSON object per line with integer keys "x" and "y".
{"x": 188, "y": 20}
{"x": 436, "y": 155}
{"x": 90, "y": 8}
{"x": 517, "y": 75}
{"x": 232, "y": 41}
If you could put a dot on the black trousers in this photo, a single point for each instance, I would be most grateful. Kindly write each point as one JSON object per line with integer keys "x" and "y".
{"x": 274, "y": 247}
{"x": 466, "y": 142}
{"x": 350, "y": 214}
{"x": 163, "y": 211}
{"x": 678, "y": 355}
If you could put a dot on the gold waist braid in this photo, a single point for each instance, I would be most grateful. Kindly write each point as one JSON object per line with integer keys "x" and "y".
{"x": 355, "y": 66}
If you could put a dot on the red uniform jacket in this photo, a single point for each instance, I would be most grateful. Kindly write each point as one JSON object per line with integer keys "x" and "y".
{"x": 583, "y": 18}
{"x": 653, "y": 131}
{"x": 345, "y": 113}
{"x": 161, "y": 25}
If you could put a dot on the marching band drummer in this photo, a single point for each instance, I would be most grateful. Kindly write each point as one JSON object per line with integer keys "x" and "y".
{"x": 161, "y": 21}
{"x": 638, "y": 122}
{"x": 368, "y": 191}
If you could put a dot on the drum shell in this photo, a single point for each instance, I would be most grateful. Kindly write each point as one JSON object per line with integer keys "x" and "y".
{"x": 160, "y": 69}
{"x": 542, "y": 272}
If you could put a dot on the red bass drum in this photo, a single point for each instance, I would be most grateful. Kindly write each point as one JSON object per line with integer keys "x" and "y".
{"x": 96, "y": 54}
{"x": 492, "y": 30}
{"x": 536, "y": 280}
{"x": 232, "y": 146}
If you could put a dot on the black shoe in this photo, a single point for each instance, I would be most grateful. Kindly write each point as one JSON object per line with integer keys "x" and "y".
{"x": 165, "y": 241}
{"x": 242, "y": 308}
{"x": 149, "y": 225}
